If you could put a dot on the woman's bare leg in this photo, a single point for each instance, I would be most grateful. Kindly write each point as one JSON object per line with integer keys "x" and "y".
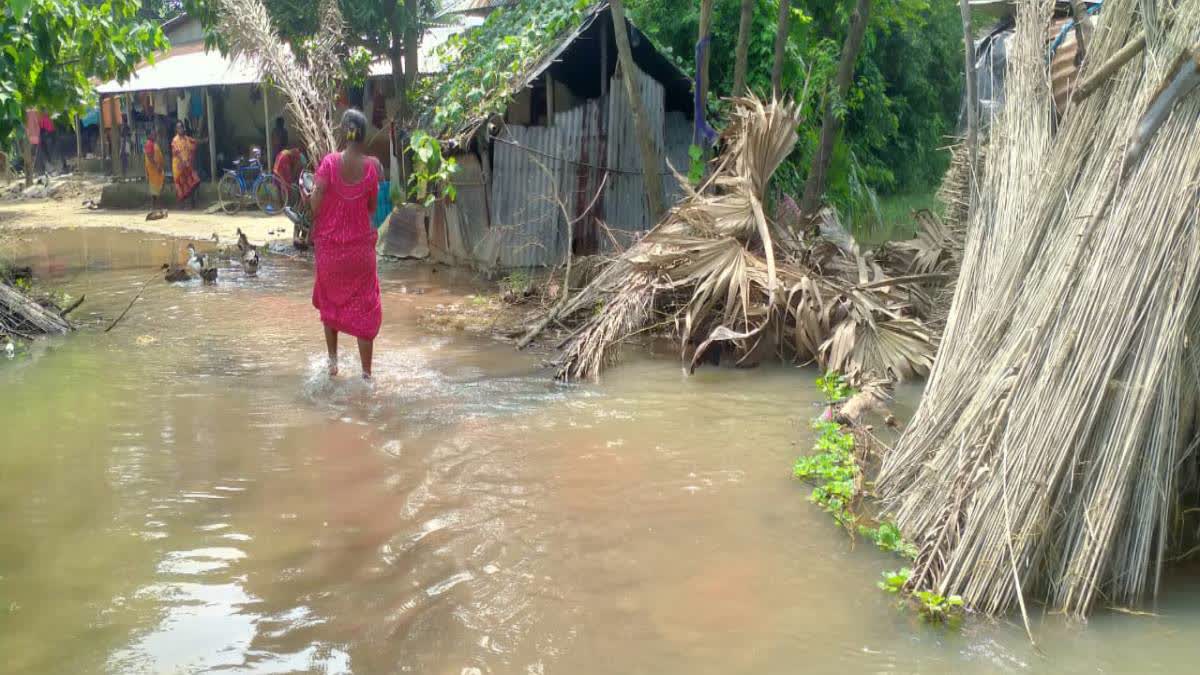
{"x": 331, "y": 346}
{"x": 366, "y": 351}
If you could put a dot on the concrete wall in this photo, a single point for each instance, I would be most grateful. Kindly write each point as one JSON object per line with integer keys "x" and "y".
{"x": 136, "y": 195}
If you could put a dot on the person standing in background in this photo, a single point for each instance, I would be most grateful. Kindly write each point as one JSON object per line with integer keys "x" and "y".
{"x": 183, "y": 158}
{"x": 156, "y": 169}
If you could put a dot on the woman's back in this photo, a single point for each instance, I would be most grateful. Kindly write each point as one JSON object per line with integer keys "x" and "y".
{"x": 349, "y": 196}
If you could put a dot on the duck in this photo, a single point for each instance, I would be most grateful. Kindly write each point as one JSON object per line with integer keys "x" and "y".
{"x": 195, "y": 260}
{"x": 249, "y": 255}
{"x": 156, "y": 214}
{"x": 199, "y": 264}
{"x": 175, "y": 274}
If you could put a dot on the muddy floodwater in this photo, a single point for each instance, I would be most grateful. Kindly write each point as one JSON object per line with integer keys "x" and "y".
{"x": 189, "y": 493}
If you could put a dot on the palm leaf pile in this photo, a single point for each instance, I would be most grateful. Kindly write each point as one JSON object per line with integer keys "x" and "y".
{"x": 717, "y": 271}
{"x": 1053, "y": 456}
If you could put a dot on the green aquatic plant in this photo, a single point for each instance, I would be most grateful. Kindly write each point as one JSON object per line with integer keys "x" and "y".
{"x": 833, "y": 469}
{"x": 834, "y": 387}
{"x": 894, "y": 582}
{"x": 935, "y": 607}
{"x": 888, "y": 538}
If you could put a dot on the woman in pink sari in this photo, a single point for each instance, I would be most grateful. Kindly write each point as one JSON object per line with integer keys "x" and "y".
{"x": 346, "y": 289}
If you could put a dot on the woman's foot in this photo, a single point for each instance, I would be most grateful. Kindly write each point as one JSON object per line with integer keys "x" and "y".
{"x": 333, "y": 366}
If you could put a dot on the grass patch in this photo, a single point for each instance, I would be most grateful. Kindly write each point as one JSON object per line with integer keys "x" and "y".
{"x": 893, "y": 220}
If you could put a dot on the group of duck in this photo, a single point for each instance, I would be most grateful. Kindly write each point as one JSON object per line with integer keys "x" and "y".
{"x": 204, "y": 266}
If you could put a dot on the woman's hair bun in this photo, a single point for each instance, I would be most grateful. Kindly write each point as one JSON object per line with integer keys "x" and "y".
{"x": 354, "y": 125}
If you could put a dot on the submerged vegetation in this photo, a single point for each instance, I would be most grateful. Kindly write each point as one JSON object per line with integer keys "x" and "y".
{"x": 839, "y": 489}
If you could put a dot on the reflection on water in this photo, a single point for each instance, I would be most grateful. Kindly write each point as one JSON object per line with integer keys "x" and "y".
{"x": 191, "y": 493}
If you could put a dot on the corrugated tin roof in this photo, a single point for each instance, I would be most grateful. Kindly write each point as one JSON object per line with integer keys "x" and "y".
{"x": 188, "y": 69}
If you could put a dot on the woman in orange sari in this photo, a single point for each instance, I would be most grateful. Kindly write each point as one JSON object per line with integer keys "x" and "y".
{"x": 156, "y": 169}
{"x": 183, "y": 151}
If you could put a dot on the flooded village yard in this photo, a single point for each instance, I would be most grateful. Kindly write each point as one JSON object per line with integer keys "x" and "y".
{"x": 191, "y": 493}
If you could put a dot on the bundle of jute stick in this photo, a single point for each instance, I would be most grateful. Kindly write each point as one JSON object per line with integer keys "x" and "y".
{"x": 1053, "y": 454}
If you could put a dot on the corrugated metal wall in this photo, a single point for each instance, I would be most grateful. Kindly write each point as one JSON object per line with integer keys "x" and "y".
{"x": 467, "y": 217}
{"x": 534, "y": 167}
{"x": 625, "y": 207}
{"x": 530, "y": 166}
{"x": 679, "y": 140}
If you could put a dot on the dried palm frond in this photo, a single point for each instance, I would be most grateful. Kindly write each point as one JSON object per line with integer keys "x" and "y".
{"x": 718, "y": 271}
{"x": 307, "y": 89}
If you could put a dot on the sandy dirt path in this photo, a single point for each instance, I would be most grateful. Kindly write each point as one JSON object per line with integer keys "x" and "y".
{"x": 17, "y": 215}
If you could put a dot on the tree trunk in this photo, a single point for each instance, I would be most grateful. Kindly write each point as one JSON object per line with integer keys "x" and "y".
{"x": 27, "y": 149}
{"x": 781, "y": 36}
{"x": 702, "y": 84}
{"x": 971, "y": 96}
{"x": 743, "y": 47}
{"x": 814, "y": 187}
{"x": 396, "y": 56}
{"x": 412, "y": 42}
{"x": 650, "y": 158}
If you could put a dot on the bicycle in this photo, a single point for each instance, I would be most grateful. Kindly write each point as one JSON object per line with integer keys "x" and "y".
{"x": 246, "y": 179}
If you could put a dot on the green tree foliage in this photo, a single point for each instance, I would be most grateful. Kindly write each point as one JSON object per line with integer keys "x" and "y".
{"x": 904, "y": 101}
{"x": 485, "y": 65}
{"x": 52, "y": 49}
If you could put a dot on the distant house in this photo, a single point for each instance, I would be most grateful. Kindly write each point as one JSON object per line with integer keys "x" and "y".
{"x": 567, "y": 135}
{"x": 216, "y": 95}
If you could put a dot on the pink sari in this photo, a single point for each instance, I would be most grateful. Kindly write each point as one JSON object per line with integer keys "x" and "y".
{"x": 346, "y": 289}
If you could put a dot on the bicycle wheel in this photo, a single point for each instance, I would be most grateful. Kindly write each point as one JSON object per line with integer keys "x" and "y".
{"x": 270, "y": 194}
{"x": 229, "y": 192}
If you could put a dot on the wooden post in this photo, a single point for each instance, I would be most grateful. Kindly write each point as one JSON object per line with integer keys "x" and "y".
{"x": 972, "y": 102}
{"x": 128, "y": 125}
{"x": 267, "y": 117}
{"x": 100, "y": 136}
{"x": 78, "y": 145}
{"x": 650, "y": 159}
{"x": 212, "y": 140}
{"x": 115, "y": 139}
{"x": 743, "y": 46}
{"x": 549, "y": 100}
{"x": 781, "y": 36}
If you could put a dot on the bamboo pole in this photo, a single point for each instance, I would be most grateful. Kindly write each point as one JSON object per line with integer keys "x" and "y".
{"x": 267, "y": 121}
{"x": 212, "y": 138}
{"x": 1109, "y": 68}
